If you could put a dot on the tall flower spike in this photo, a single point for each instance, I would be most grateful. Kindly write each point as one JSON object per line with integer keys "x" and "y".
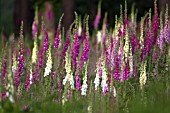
{"x": 98, "y": 16}
{"x": 104, "y": 84}
{"x": 49, "y": 62}
{"x": 155, "y": 24}
{"x": 67, "y": 41}
{"x": 126, "y": 46}
{"x": 166, "y": 28}
{"x": 78, "y": 84}
{"x": 34, "y": 52}
{"x": 141, "y": 33}
{"x": 84, "y": 86}
{"x": 143, "y": 77}
{"x": 35, "y": 24}
{"x": 125, "y": 21}
{"x": 161, "y": 36}
{"x": 57, "y": 37}
{"x": 14, "y": 64}
{"x": 45, "y": 44}
{"x": 98, "y": 74}
{"x": 4, "y": 72}
{"x": 149, "y": 41}
{"x": 69, "y": 74}
{"x": 76, "y": 43}
{"x": 21, "y": 52}
{"x": 40, "y": 55}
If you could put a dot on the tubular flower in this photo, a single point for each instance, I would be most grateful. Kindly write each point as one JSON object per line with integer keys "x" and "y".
{"x": 35, "y": 24}
{"x": 160, "y": 40}
{"x": 117, "y": 72}
{"x": 166, "y": 28}
{"x": 126, "y": 46}
{"x": 14, "y": 64}
{"x": 98, "y": 16}
{"x": 98, "y": 74}
{"x": 40, "y": 55}
{"x": 4, "y": 72}
{"x": 84, "y": 86}
{"x": 104, "y": 84}
{"x": 34, "y": 29}
{"x": 49, "y": 63}
{"x": 155, "y": 24}
{"x": 78, "y": 84}
{"x": 126, "y": 72}
{"x": 69, "y": 74}
{"x": 29, "y": 79}
{"x": 45, "y": 44}
{"x": 57, "y": 37}
{"x": 86, "y": 50}
{"x": 143, "y": 77}
{"x": 34, "y": 52}
{"x": 21, "y": 59}
{"x": 76, "y": 47}
{"x": 16, "y": 80}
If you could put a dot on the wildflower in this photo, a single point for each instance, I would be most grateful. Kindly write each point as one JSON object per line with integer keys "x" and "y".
{"x": 84, "y": 86}
{"x": 79, "y": 27}
{"x": 69, "y": 74}
{"x": 20, "y": 56}
{"x": 98, "y": 74}
{"x": 99, "y": 36}
{"x": 49, "y": 63}
{"x": 4, "y": 72}
{"x": 104, "y": 84}
{"x": 34, "y": 52}
{"x": 34, "y": 29}
{"x": 126, "y": 46}
{"x": 98, "y": 16}
{"x": 14, "y": 64}
{"x": 3, "y": 96}
{"x": 117, "y": 72}
{"x": 16, "y": 79}
{"x": 149, "y": 41}
{"x": 126, "y": 72}
{"x": 78, "y": 84}
{"x": 40, "y": 55}
{"x": 86, "y": 50}
{"x": 143, "y": 77}
{"x": 166, "y": 28}
{"x": 35, "y": 24}
{"x": 160, "y": 39}
{"x": 29, "y": 79}
{"x": 76, "y": 47}
{"x": 57, "y": 37}
{"x": 45, "y": 44}
{"x": 155, "y": 24}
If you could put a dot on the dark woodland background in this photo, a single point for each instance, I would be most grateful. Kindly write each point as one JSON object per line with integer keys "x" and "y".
{"x": 13, "y": 11}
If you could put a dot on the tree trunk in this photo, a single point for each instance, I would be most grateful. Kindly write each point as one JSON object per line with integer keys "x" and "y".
{"x": 22, "y": 11}
{"x": 68, "y": 9}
